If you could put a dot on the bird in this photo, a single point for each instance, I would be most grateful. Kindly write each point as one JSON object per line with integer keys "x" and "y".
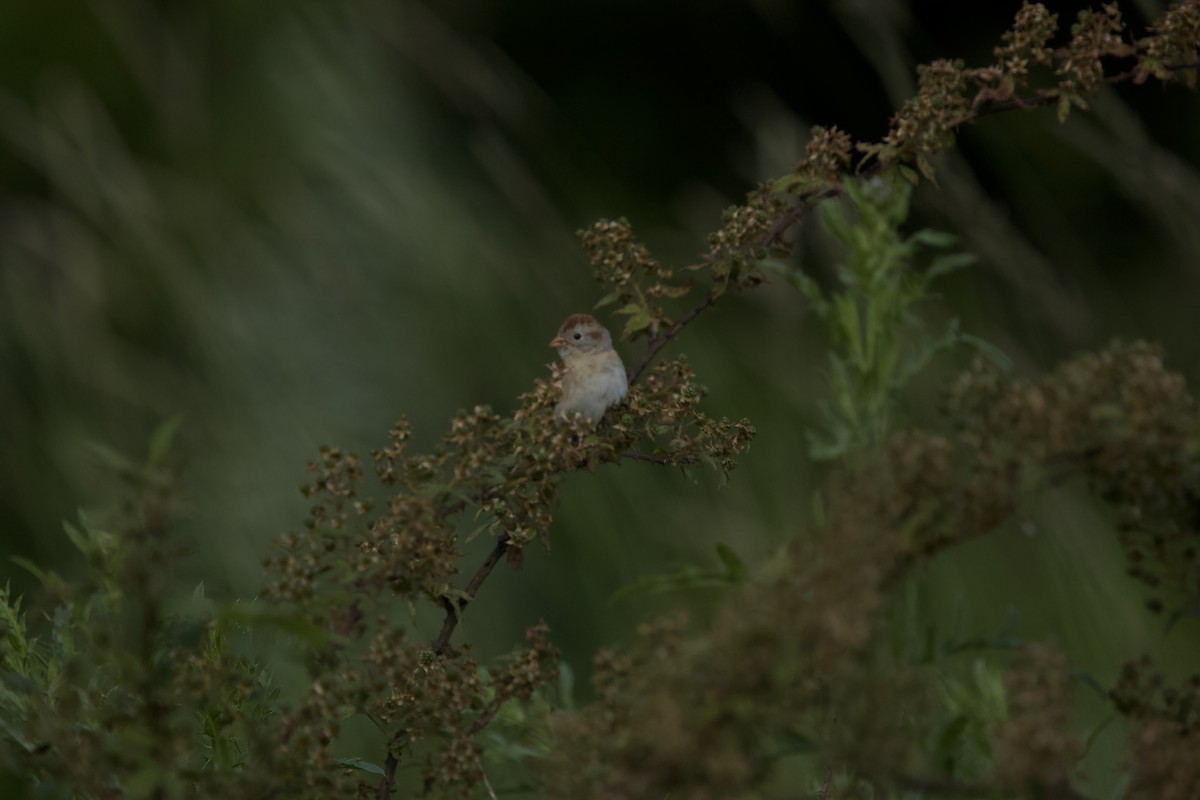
{"x": 594, "y": 379}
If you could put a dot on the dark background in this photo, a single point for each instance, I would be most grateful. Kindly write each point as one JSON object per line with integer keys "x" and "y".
{"x": 291, "y": 222}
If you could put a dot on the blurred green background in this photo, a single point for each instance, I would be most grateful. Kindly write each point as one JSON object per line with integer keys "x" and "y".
{"x": 292, "y": 222}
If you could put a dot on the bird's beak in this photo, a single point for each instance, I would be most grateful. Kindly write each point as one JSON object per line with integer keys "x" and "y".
{"x": 558, "y": 341}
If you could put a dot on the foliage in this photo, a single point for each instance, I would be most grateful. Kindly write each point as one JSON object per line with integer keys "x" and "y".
{"x": 814, "y": 658}
{"x": 874, "y": 327}
{"x": 120, "y": 689}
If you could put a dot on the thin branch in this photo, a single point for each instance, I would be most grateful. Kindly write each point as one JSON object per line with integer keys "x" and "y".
{"x": 388, "y": 781}
{"x": 454, "y": 611}
{"x": 491, "y": 493}
{"x": 485, "y": 718}
{"x": 797, "y": 212}
{"x": 486, "y": 783}
{"x": 1048, "y": 96}
{"x": 661, "y": 340}
{"x": 650, "y": 458}
{"x": 769, "y": 239}
{"x": 823, "y": 792}
{"x": 454, "y": 608}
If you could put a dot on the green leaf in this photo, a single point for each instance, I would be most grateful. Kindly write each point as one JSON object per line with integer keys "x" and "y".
{"x": 679, "y": 577}
{"x": 162, "y": 439}
{"x": 30, "y": 567}
{"x": 77, "y": 537}
{"x": 112, "y": 459}
{"x": 820, "y": 518}
{"x": 948, "y": 742}
{"x": 934, "y": 238}
{"x": 609, "y": 298}
{"x": 785, "y": 183}
{"x": 989, "y": 351}
{"x": 926, "y": 168}
{"x": 22, "y": 684}
{"x": 949, "y": 263}
{"x": 833, "y": 218}
{"x": 846, "y": 314}
{"x": 506, "y": 749}
{"x": 358, "y": 763}
{"x": 786, "y": 271}
{"x": 812, "y": 291}
{"x": 566, "y": 685}
{"x": 473, "y": 535}
{"x": 1064, "y": 108}
{"x": 637, "y": 323}
{"x": 735, "y": 568}
{"x": 293, "y": 624}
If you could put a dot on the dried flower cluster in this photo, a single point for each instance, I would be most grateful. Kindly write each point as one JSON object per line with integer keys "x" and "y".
{"x": 1130, "y": 425}
{"x": 927, "y": 123}
{"x": 951, "y": 95}
{"x": 1034, "y": 749}
{"x": 625, "y": 264}
{"x": 1168, "y": 727}
{"x": 1171, "y": 53}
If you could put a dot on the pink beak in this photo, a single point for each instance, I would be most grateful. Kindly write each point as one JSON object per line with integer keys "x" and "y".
{"x": 558, "y": 341}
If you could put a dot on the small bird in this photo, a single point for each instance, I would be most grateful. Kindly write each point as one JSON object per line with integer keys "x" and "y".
{"x": 594, "y": 379}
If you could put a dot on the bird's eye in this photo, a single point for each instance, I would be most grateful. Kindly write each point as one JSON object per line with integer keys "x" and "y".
{"x": 578, "y": 336}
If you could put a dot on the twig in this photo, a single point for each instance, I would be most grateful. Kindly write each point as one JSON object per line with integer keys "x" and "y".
{"x": 388, "y": 781}
{"x": 769, "y": 239}
{"x": 1046, "y": 96}
{"x": 486, "y": 783}
{"x": 823, "y": 792}
{"x": 634, "y": 455}
{"x": 454, "y": 608}
{"x": 483, "y": 719}
{"x": 454, "y": 611}
{"x": 799, "y": 211}
{"x": 661, "y": 340}
{"x": 491, "y": 493}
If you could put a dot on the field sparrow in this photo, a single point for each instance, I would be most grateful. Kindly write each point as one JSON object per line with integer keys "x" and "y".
{"x": 594, "y": 379}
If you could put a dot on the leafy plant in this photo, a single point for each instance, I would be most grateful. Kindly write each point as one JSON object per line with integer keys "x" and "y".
{"x": 876, "y": 332}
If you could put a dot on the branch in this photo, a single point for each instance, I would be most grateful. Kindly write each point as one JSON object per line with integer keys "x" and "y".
{"x": 771, "y": 238}
{"x": 486, "y": 783}
{"x": 454, "y": 609}
{"x": 650, "y": 458}
{"x": 388, "y": 781}
{"x": 1048, "y": 96}
{"x": 490, "y": 493}
{"x": 661, "y": 340}
{"x": 823, "y": 792}
{"x": 796, "y": 213}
